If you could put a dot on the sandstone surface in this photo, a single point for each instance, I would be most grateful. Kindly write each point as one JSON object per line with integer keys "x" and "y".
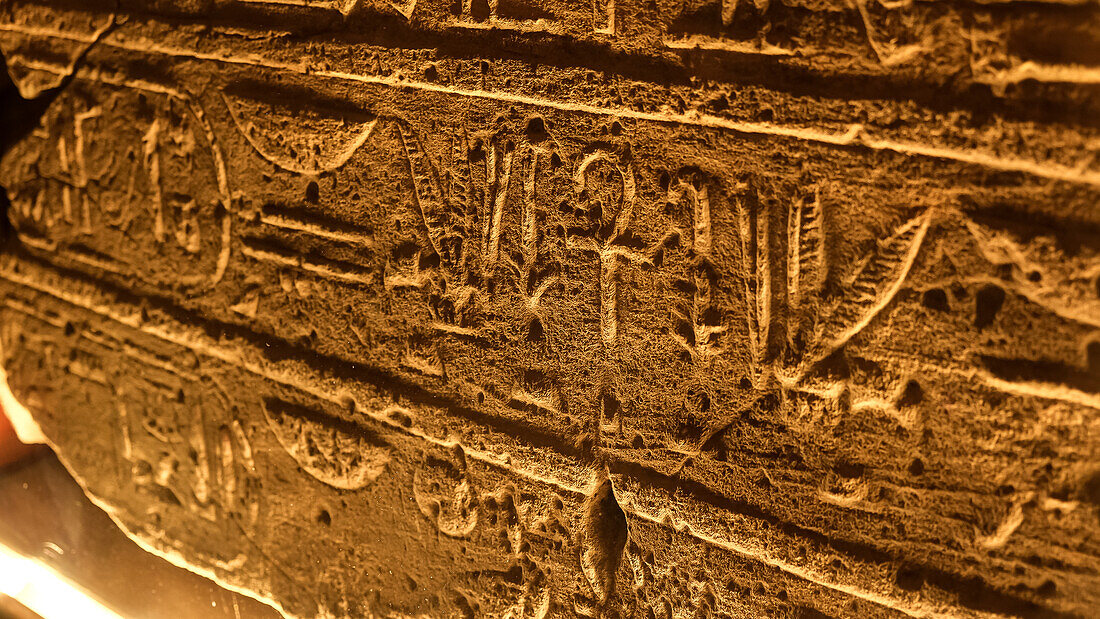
{"x": 556, "y": 308}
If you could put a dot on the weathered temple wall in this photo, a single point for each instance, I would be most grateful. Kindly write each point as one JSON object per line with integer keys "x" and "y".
{"x": 551, "y": 308}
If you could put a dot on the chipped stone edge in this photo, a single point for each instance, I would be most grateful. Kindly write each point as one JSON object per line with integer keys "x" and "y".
{"x": 26, "y": 428}
{"x": 28, "y": 431}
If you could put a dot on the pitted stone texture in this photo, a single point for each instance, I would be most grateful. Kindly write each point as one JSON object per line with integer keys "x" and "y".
{"x": 571, "y": 309}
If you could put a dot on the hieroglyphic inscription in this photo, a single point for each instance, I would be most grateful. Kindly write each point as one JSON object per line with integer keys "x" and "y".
{"x": 526, "y": 310}
{"x": 92, "y": 193}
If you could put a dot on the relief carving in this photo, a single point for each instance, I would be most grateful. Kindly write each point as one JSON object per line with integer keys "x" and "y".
{"x": 598, "y": 309}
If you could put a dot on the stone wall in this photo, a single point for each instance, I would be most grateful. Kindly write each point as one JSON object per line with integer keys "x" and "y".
{"x": 551, "y": 308}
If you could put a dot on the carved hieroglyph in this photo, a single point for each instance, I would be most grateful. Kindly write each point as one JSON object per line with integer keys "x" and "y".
{"x": 555, "y": 309}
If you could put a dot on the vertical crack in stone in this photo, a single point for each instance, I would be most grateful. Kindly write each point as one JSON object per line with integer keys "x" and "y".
{"x": 605, "y": 534}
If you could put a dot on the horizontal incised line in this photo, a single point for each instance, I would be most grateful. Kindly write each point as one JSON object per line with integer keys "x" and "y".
{"x": 311, "y": 265}
{"x": 316, "y": 229}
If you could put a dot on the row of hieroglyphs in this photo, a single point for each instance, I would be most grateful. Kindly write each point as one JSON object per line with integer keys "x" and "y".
{"x": 890, "y": 34}
{"x": 753, "y": 250}
{"x": 198, "y": 474}
{"x": 160, "y": 174}
{"x": 601, "y": 208}
{"x": 516, "y": 221}
{"x": 451, "y": 490}
{"x": 493, "y": 211}
{"x": 498, "y": 209}
{"x": 187, "y": 446}
{"x": 167, "y": 181}
{"x": 990, "y": 43}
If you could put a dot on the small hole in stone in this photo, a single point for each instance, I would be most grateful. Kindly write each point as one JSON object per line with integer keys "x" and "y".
{"x": 910, "y": 578}
{"x": 916, "y": 467}
{"x": 912, "y": 394}
{"x": 935, "y": 299}
{"x": 849, "y": 470}
{"x": 536, "y": 129}
{"x": 535, "y": 331}
{"x": 987, "y": 303}
{"x": 609, "y": 404}
{"x": 1092, "y": 357}
{"x": 325, "y": 518}
{"x": 1090, "y": 488}
{"x": 313, "y": 192}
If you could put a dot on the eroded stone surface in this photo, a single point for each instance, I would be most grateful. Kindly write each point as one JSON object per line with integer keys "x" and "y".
{"x": 572, "y": 309}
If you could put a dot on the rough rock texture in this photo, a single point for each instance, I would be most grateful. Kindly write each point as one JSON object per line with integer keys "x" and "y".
{"x": 554, "y": 308}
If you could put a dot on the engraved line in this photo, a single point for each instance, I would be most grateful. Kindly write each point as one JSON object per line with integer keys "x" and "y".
{"x": 306, "y": 264}
{"x": 454, "y": 329}
{"x": 108, "y": 342}
{"x": 668, "y": 521}
{"x": 290, "y": 223}
{"x": 332, "y": 163}
{"x": 1042, "y": 72}
{"x": 499, "y": 182}
{"x": 737, "y": 47}
{"x": 1048, "y": 391}
{"x": 503, "y": 24}
{"x": 52, "y": 247}
{"x": 1035, "y": 389}
{"x": 335, "y": 5}
{"x": 32, "y": 312}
